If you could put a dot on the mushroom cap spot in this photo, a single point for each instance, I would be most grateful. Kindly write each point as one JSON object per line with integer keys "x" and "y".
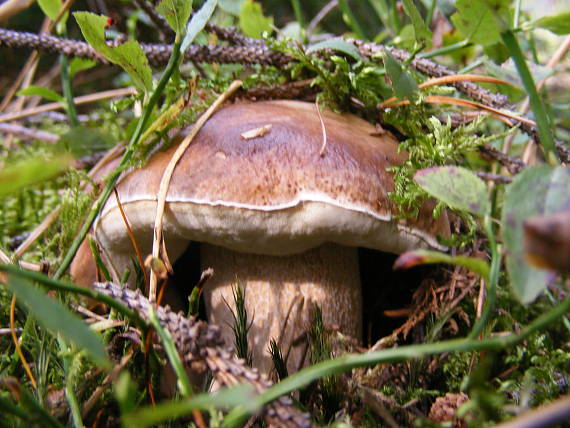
{"x": 274, "y": 194}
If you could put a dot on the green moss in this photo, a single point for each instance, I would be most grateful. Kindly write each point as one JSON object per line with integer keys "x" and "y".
{"x": 74, "y": 205}
{"x": 327, "y": 394}
{"x": 343, "y": 81}
{"x": 429, "y": 143}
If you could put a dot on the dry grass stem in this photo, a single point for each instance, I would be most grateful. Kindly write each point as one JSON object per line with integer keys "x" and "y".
{"x": 38, "y": 231}
{"x": 26, "y": 76}
{"x": 113, "y": 374}
{"x": 13, "y": 7}
{"x": 4, "y": 257}
{"x": 451, "y": 79}
{"x": 438, "y": 99}
{"x": 84, "y": 99}
{"x": 323, "y": 128}
{"x": 132, "y": 238}
{"x": 90, "y": 314}
{"x": 26, "y": 133}
{"x": 166, "y": 176}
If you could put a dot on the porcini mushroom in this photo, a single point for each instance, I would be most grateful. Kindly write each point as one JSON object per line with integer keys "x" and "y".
{"x": 276, "y": 214}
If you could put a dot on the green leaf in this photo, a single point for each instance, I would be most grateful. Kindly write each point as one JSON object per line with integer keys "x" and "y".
{"x": 129, "y": 56}
{"x": 350, "y": 20}
{"x": 8, "y": 408}
{"x": 176, "y": 13}
{"x": 50, "y": 8}
{"x": 422, "y": 257}
{"x": 172, "y": 353}
{"x": 477, "y": 19}
{"x": 540, "y": 190}
{"x": 40, "y": 91}
{"x": 336, "y": 44}
{"x": 346, "y": 362}
{"x": 242, "y": 395}
{"x": 382, "y": 10}
{"x": 79, "y": 64}
{"x": 54, "y": 316}
{"x": 29, "y": 409}
{"x": 457, "y": 187}
{"x": 407, "y": 37}
{"x": 199, "y": 20}
{"x": 252, "y": 21}
{"x": 126, "y": 393}
{"x": 558, "y": 24}
{"x": 404, "y": 85}
{"x": 31, "y": 171}
{"x": 421, "y": 30}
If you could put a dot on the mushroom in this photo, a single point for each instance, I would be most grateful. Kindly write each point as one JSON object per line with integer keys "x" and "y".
{"x": 278, "y": 213}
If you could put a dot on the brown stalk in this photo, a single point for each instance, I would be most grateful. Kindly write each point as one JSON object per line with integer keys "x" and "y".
{"x": 17, "y": 343}
{"x": 451, "y": 79}
{"x": 132, "y": 238}
{"x": 13, "y": 331}
{"x": 438, "y": 99}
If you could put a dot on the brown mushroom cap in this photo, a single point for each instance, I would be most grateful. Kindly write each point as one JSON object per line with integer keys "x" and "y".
{"x": 274, "y": 194}
{"x": 275, "y": 215}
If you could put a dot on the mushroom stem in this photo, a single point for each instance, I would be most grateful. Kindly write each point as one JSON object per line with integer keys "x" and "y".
{"x": 280, "y": 292}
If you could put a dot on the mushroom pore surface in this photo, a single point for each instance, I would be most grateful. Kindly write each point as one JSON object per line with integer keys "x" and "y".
{"x": 274, "y": 216}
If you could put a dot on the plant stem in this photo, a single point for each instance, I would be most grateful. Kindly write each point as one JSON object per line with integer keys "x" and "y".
{"x": 36, "y": 411}
{"x": 381, "y": 9}
{"x": 69, "y": 382}
{"x": 404, "y": 353}
{"x": 68, "y": 92}
{"x": 129, "y": 152}
{"x": 494, "y": 272}
{"x": 173, "y": 356}
{"x": 542, "y": 119}
{"x": 59, "y": 285}
{"x": 350, "y": 19}
{"x": 298, "y": 12}
{"x": 446, "y": 49}
{"x": 430, "y": 12}
{"x": 395, "y": 16}
{"x": 553, "y": 300}
{"x": 8, "y": 408}
{"x": 517, "y": 14}
{"x": 170, "y": 410}
{"x": 471, "y": 66}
